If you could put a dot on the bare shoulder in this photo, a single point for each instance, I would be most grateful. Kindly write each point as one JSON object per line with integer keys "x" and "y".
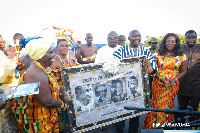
{"x": 95, "y": 47}
{"x": 55, "y": 63}
{"x": 83, "y": 47}
{"x": 35, "y": 75}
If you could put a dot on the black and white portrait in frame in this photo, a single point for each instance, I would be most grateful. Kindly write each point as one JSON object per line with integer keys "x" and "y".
{"x": 84, "y": 97}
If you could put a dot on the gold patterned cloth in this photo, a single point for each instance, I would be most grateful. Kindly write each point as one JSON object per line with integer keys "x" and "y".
{"x": 8, "y": 74}
{"x": 89, "y": 58}
{"x": 7, "y": 67}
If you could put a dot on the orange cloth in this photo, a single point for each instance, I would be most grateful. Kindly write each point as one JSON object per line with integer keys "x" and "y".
{"x": 162, "y": 98}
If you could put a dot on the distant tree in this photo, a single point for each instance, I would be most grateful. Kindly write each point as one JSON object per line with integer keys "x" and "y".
{"x": 145, "y": 44}
{"x": 160, "y": 39}
{"x": 198, "y": 41}
{"x": 182, "y": 38}
{"x": 127, "y": 43}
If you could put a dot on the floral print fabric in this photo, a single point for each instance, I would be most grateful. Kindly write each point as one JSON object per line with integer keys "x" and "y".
{"x": 163, "y": 98}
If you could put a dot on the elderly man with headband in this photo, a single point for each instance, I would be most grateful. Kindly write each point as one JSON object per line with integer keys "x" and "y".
{"x": 39, "y": 112}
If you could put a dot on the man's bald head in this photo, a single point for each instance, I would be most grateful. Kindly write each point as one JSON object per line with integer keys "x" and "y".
{"x": 132, "y": 32}
{"x": 112, "y": 39}
{"x": 88, "y": 34}
{"x": 134, "y": 38}
{"x": 89, "y": 38}
{"x": 121, "y": 40}
{"x": 112, "y": 32}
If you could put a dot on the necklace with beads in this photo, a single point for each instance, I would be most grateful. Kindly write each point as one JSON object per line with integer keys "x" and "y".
{"x": 63, "y": 63}
{"x": 169, "y": 54}
{"x": 48, "y": 73}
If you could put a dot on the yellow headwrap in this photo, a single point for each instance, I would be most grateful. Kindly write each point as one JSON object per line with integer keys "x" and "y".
{"x": 37, "y": 48}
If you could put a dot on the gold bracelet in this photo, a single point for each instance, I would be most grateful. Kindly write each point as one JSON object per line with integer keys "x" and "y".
{"x": 63, "y": 94}
{"x": 176, "y": 79}
{"x": 62, "y": 104}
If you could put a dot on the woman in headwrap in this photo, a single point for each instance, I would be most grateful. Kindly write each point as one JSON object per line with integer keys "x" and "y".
{"x": 39, "y": 112}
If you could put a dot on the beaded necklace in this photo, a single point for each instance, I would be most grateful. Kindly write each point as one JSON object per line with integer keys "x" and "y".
{"x": 63, "y": 63}
{"x": 48, "y": 73}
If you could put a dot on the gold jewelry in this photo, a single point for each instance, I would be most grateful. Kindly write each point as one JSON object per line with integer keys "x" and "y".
{"x": 23, "y": 64}
{"x": 62, "y": 104}
{"x": 176, "y": 79}
{"x": 169, "y": 54}
{"x": 48, "y": 72}
{"x": 63, "y": 63}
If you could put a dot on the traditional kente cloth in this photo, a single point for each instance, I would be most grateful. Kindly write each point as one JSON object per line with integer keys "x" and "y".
{"x": 62, "y": 115}
{"x": 89, "y": 58}
{"x": 31, "y": 117}
{"x": 168, "y": 68}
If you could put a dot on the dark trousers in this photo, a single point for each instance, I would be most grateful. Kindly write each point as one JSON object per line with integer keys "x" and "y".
{"x": 184, "y": 101}
{"x": 133, "y": 125}
{"x": 119, "y": 126}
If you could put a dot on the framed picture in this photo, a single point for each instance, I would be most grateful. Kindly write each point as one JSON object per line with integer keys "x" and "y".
{"x": 100, "y": 97}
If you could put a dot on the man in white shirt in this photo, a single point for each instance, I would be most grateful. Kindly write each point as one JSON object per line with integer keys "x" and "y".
{"x": 106, "y": 52}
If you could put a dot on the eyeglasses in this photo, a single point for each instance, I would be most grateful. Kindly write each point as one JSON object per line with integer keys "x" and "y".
{"x": 153, "y": 43}
{"x": 115, "y": 37}
{"x": 136, "y": 36}
{"x": 121, "y": 40}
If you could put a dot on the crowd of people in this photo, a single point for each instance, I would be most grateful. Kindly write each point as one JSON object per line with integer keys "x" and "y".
{"x": 173, "y": 71}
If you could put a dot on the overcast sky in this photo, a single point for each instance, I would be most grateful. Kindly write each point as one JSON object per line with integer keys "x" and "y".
{"x": 150, "y": 17}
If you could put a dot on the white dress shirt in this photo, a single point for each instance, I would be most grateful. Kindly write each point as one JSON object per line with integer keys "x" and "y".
{"x": 105, "y": 53}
